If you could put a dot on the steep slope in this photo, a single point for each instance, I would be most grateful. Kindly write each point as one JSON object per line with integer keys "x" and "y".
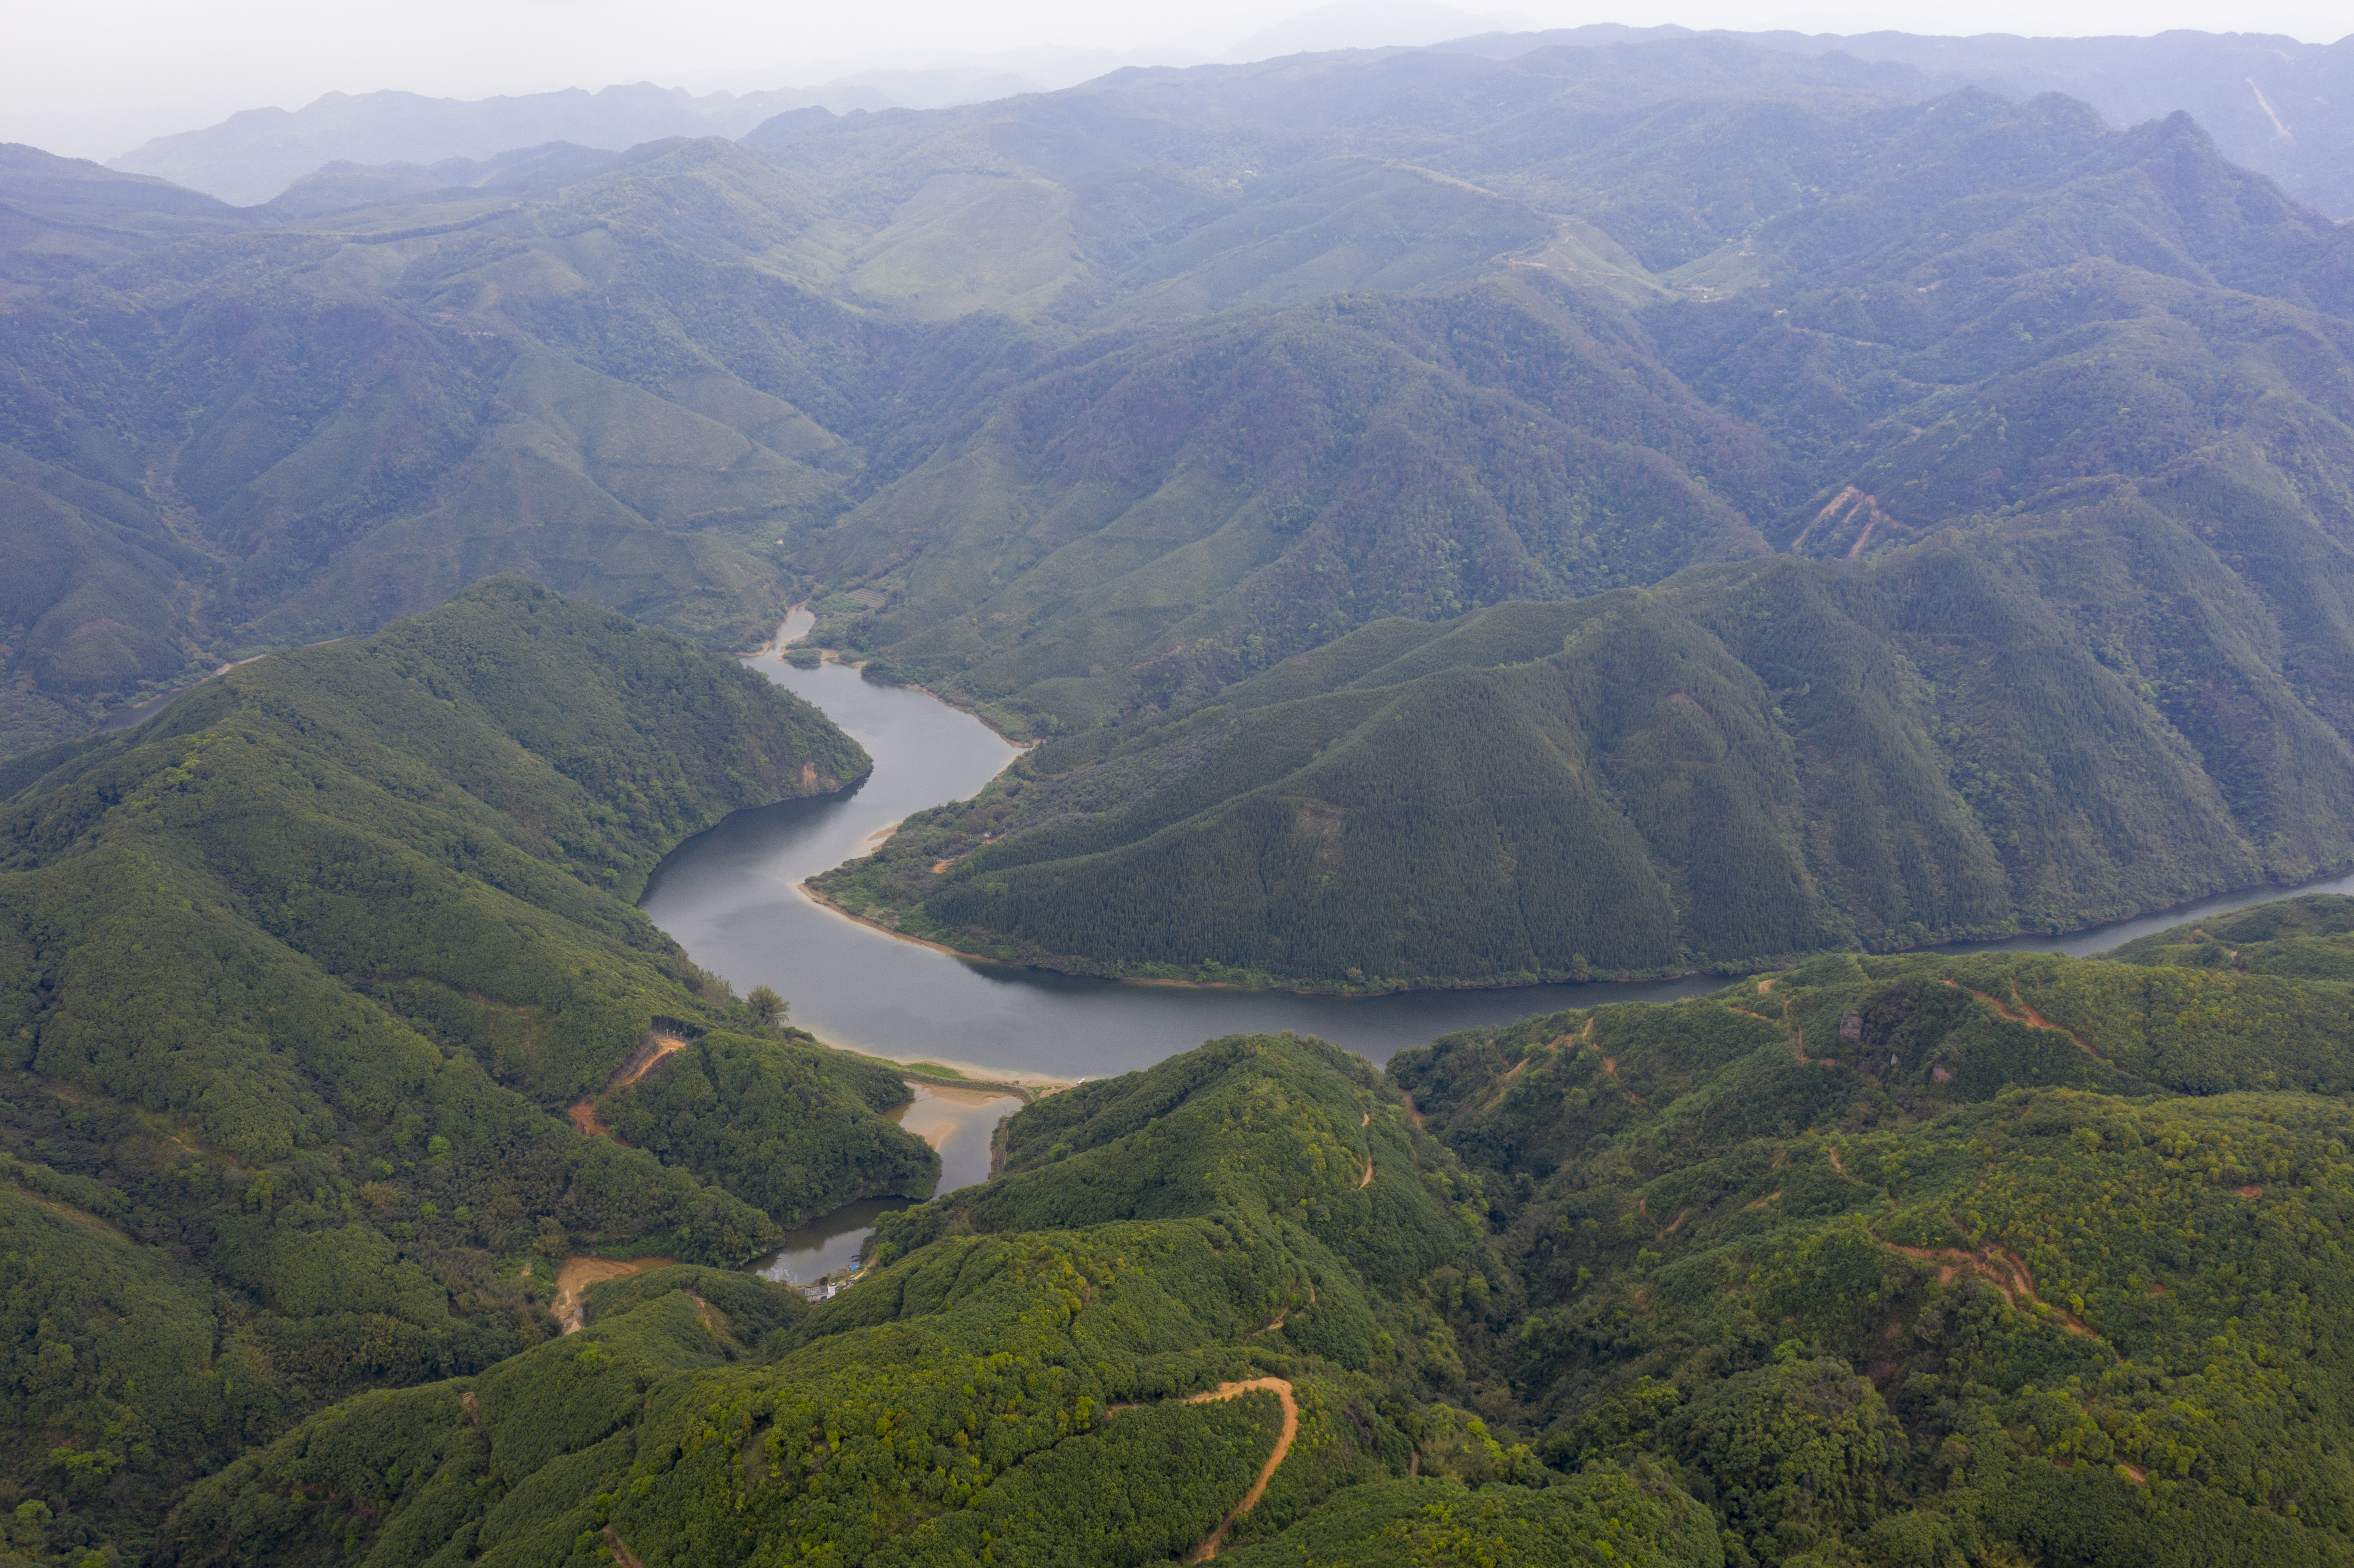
{"x": 1881, "y": 1261}
{"x": 2041, "y": 722}
{"x": 1135, "y": 373}
{"x": 1915, "y": 313}
{"x": 300, "y": 982}
{"x": 2064, "y": 414}
{"x": 1156, "y": 518}
{"x": 273, "y": 440}
{"x": 655, "y": 385}
{"x": 1098, "y": 1386}
{"x": 59, "y": 214}
{"x": 1911, "y": 1260}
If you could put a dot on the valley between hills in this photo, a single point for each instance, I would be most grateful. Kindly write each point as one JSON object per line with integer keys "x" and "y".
{"x": 1439, "y": 521}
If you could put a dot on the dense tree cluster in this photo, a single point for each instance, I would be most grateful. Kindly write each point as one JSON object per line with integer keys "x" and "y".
{"x": 297, "y": 984}
{"x": 1876, "y": 1263}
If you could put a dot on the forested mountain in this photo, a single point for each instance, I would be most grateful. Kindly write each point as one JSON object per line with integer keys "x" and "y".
{"x": 1895, "y": 1263}
{"x": 2064, "y": 715}
{"x": 1117, "y": 395}
{"x": 301, "y": 981}
{"x": 2272, "y": 103}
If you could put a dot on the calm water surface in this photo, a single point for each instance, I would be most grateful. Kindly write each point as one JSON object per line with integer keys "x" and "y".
{"x": 956, "y": 1122}
{"x": 731, "y": 897}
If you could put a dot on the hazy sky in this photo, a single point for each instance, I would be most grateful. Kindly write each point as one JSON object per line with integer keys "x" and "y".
{"x": 95, "y": 77}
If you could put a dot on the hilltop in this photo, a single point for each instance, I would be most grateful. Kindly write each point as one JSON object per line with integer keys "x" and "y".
{"x": 1878, "y": 1262}
{"x": 304, "y": 988}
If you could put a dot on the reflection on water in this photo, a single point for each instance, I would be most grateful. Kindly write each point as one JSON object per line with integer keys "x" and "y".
{"x": 956, "y": 1123}
{"x": 731, "y": 898}
{"x": 827, "y": 1245}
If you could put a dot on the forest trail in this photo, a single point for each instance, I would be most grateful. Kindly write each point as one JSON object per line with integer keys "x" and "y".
{"x": 1610, "y": 1071}
{"x": 1504, "y": 1084}
{"x": 1281, "y": 1389}
{"x": 1789, "y": 1022}
{"x": 1367, "y": 1179}
{"x": 572, "y": 1280}
{"x": 643, "y": 1060}
{"x": 2003, "y": 1269}
{"x": 2030, "y": 1017}
{"x": 1272, "y": 1325}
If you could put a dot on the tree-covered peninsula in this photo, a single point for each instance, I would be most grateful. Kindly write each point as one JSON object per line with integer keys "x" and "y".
{"x": 298, "y": 983}
{"x": 1881, "y": 1263}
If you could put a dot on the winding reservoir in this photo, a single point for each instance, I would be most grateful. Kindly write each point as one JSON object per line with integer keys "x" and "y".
{"x": 732, "y": 897}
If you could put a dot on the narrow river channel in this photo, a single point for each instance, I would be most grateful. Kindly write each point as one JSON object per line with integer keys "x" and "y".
{"x": 732, "y": 897}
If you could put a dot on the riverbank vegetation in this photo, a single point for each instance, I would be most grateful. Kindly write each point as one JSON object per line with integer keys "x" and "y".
{"x": 1875, "y": 1262}
{"x": 298, "y": 982}
{"x": 1639, "y": 783}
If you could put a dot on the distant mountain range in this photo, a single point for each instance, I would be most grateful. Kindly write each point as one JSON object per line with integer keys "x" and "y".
{"x": 253, "y": 155}
{"x": 2279, "y": 106}
{"x": 1113, "y": 402}
{"x": 2275, "y": 104}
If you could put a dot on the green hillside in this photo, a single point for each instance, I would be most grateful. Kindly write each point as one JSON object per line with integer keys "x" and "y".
{"x": 2068, "y": 642}
{"x": 300, "y": 982}
{"x": 1119, "y": 394}
{"x": 1009, "y": 1385}
{"x": 1904, "y": 1259}
{"x": 1876, "y": 1262}
{"x": 2040, "y": 722}
{"x": 2310, "y": 938}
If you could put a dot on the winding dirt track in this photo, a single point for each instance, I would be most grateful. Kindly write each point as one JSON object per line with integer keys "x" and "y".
{"x": 647, "y": 1056}
{"x": 2029, "y": 1016}
{"x": 2007, "y": 1272}
{"x": 572, "y": 1280}
{"x": 1281, "y": 1389}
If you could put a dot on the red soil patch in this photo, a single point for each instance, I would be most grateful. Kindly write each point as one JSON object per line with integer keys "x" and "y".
{"x": 1281, "y": 1389}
